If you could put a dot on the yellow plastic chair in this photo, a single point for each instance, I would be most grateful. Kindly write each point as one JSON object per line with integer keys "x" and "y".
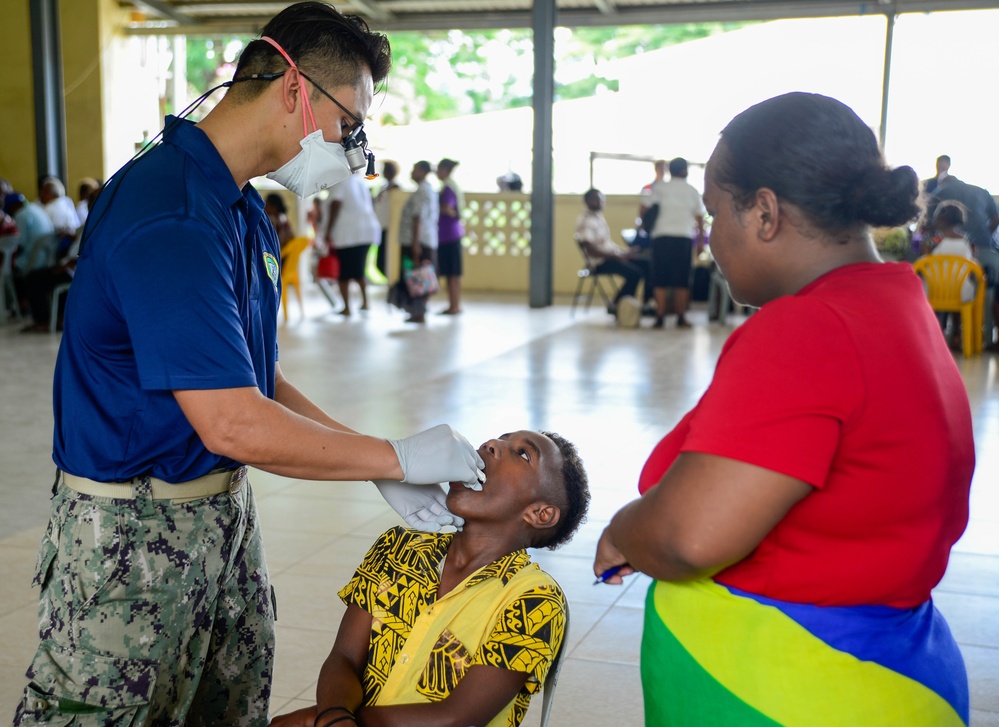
{"x": 291, "y": 254}
{"x": 944, "y": 276}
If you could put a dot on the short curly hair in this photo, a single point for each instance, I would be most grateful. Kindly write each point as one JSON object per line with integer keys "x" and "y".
{"x": 576, "y": 494}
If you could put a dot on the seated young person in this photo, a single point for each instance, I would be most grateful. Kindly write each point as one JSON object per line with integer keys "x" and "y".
{"x": 458, "y": 629}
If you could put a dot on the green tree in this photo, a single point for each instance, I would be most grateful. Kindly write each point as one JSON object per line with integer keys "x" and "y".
{"x": 448, "y": 73}
{"x": 443, "y": 74}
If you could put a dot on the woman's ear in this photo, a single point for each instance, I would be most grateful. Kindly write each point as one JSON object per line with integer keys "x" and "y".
{"x": 766, "y": 214}
{"x": 542, "y": 515}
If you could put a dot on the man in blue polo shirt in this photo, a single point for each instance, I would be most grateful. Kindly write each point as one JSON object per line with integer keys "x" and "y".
{"x": 156, "y": 606}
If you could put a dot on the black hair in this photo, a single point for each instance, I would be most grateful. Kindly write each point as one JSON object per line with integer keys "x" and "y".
{"x": 276, "y": 201}
{"x": 943, "y": 158}
{"x": 577, "y": 495}
{"x": 817, "y": 154}
{"x": 390, "y": 170}
{"x": 424, "y": 166}
{"x": 678, "y": 167}
{"x": 950, "y": 213}
{"x": 591, "y": 192}
{"x": 326, "y": 44}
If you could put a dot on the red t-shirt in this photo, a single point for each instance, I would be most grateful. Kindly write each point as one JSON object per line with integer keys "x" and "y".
{"x": 848, "y": 386}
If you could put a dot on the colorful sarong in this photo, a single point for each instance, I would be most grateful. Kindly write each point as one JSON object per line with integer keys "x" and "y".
{"x": 714, "y": 655}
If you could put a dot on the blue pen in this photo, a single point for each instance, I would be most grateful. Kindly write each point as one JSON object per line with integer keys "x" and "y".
{"x": 609, "y": 573}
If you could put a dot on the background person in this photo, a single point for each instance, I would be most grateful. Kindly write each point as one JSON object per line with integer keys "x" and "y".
{"x": 594, "y": 235}
{"x": 981, "y": 223}
{"x": 37, "y": 234}
{"x": 39, "y": 284}
{"x": 383, "y": 211}
{"x": 418, "y": 234}
{"x": 60, "y": 209}
{"x": 794, "y": 526}
{"x": 943, "y": 167}
{"x": 475, "y": 624}
{"x": 277, "y": 213}
{"x": 948, "y": 225}
{"x": 449, "y": 234}
{"x": 87, "y": 189}
{"x": 168, "y": 384}
{"x": 680, "y": 218}
{"x": 350, "y": 227}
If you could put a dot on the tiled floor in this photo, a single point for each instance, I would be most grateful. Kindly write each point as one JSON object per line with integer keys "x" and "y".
{"x": 501, "y": 366}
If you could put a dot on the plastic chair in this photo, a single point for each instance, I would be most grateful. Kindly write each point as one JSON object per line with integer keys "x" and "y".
{"x": 944, "y": 276}
{"x": 718, "y": 289}
{"x": 57, "y": 291}
{"x": 551, "y": 679}
{"x": 291, "y": 254}
{"x": 8, "y": 246}
{"x": 588, "y": 273}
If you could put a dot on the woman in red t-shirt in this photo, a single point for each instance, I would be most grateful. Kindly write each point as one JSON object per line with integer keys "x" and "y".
{"x": 797, "y": 518}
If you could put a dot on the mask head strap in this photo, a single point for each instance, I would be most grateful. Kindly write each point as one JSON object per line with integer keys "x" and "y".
{"x": 306, "y": 104}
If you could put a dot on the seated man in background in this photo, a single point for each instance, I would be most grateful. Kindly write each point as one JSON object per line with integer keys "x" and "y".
{"x": 463, "y": 624}
{"x": 39, "y": 283}
{"x": 60, "y": 209}
{"x": 594, "y": 235}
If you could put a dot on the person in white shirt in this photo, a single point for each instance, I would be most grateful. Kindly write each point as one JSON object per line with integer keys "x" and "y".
{"x": 681, "y": 215}
{"x": 948, "y": 221}
{"x": 594, "y": 236}
{"x": 59, "y": 207}
{"x": 88, "y": 187}
{"x": 349, "y": 225}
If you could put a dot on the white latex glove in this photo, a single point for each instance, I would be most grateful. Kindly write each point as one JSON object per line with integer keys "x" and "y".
{"x": 436, "y": 455}
{"x": 421, "y": 506}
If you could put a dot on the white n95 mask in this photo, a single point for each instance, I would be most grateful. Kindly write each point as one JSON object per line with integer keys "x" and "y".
{"x": 320, "y": 164}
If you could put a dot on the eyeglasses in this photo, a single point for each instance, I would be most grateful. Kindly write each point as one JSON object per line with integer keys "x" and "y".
{"x": 358, "y": 123}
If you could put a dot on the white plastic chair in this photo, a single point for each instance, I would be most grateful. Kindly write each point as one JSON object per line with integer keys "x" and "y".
{"x": 588, "y": 273}
{"x": 54, "y": 314}
{"x": 8, "y": 246}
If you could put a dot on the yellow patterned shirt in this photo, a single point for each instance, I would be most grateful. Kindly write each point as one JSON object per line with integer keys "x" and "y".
{"x": 509, "y": 614}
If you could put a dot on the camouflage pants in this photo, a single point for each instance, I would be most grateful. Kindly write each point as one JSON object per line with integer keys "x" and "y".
{"x": 151, "y": 613}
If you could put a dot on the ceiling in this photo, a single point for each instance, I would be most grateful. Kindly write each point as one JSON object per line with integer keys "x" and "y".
{"x": 203, "y": 17}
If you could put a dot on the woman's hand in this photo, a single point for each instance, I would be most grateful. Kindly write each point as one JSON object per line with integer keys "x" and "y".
{"x": 608, "y": 556}
{"x": 299, "y": 718}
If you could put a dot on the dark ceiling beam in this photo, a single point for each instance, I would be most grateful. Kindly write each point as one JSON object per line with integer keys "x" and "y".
{"x": 372, "y": 10}
{"x": 165, "y": 10}
{"x": 665, "y": 13}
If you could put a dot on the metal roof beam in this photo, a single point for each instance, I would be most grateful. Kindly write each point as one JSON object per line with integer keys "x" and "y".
{"x": 165, "y": 10}
{"x": 665, "y": 13}
{"x": 372, "y": 10}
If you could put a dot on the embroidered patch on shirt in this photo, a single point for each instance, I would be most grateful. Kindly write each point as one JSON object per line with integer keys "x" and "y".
{"x": 273, "y": 268}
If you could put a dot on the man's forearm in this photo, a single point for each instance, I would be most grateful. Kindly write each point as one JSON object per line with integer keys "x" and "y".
{"x": 246, "y": 426}
{"x": 289, "y": 396}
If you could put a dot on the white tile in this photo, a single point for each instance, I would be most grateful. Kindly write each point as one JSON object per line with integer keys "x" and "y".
{"x": 594, "y": 693}
{"x": 616, "y": 638}
{"x": 982, "y": 664}
{"x": 972, "y": 619}
{"x": 981, "y": 718}
{"x": 309, "y": 602}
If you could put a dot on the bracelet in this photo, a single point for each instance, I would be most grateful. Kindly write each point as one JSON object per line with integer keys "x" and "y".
{"x": 339, "y": 719}
{"x": 315, "y": 722}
